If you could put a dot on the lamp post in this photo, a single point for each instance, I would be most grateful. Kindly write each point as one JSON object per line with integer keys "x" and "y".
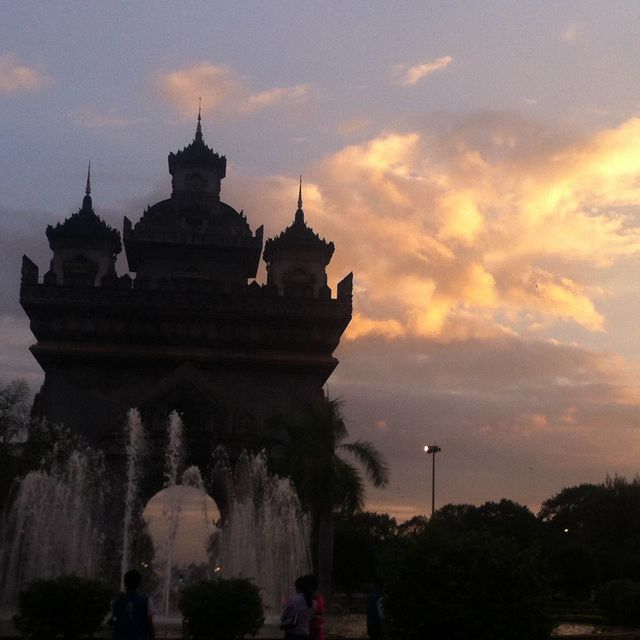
{"x": 432, "y": 449}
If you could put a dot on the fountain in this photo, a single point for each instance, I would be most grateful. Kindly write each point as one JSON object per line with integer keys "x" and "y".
{"x": 54, "y": 524}
{"x": 265, "y": 535}
{"x": 135, "y": 448}
{"x": 173, "y": 462}
{"x": 52, "y": 527}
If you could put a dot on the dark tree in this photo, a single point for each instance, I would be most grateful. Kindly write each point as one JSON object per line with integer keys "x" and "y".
{"x": 361, "y": 543}
{"x": 458, "y": 584}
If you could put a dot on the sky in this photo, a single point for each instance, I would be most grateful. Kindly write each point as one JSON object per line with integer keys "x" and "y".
{"x": 477, "y": 165}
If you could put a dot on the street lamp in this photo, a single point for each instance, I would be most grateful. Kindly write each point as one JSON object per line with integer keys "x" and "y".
{"x": 432, "y": 449}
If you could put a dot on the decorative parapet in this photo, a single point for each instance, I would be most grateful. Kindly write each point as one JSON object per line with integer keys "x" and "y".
{"x": 255, "y": 299}
{"x": 345, "y": 288}
{"x": 241, "y": 324}
{"x": 29, "y": 273}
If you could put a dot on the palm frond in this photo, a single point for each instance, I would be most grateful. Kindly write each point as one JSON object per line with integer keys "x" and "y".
{"x": 313, "y": 437}
{"x": 350, "y": 493}
{"x": 371, "y": 459}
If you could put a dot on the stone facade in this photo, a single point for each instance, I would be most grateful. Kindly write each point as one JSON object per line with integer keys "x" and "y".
{"x": 190, "y": 329}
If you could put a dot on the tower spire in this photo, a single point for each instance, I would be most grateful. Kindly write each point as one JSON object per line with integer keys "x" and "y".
{"x": 87, "y": 191}
{"x": 87, "y": 205}
{"x": 199, "y": 125}
{"x": 300, "y": 213}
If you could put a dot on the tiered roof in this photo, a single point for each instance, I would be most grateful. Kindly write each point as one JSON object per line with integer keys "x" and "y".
{"x": 198, "y": 154}
{"x": 84, "y": 227}
{"x": 298, "y": 237}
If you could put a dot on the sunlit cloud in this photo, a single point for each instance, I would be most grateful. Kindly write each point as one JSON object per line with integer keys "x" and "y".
{"x": 493, "y": 229}
{"x": 281, "y": 95}
{"x": 222, "y": 91}
{"x": 16, "y": 77}
{"x": 409, "y": 76}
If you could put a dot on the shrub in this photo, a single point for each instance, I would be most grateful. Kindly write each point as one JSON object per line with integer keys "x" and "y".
{"x": 456, "y": 585}
{"x": 620, "y": 601}
{"x": 68, "y": 605}
{"x": 222, "y": 609}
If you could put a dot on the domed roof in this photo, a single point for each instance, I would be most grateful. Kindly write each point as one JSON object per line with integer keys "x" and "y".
{"x": 204, "y": 219}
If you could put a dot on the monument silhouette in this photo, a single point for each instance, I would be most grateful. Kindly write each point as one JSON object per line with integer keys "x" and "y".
{"x": 189, "y": 328}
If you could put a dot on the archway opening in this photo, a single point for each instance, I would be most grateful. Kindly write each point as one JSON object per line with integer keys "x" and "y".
{"x": 182, "y": 523}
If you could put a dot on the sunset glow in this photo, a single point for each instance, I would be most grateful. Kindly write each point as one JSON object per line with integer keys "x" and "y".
{"x": 477, "y": 168}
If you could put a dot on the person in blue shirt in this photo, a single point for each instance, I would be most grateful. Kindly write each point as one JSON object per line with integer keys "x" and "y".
{"x": 132, "y": 611}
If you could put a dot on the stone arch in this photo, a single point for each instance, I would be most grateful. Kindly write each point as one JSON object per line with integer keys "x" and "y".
{"x": 204, "y": 415}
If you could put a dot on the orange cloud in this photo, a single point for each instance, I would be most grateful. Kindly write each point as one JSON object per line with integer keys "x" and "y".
{"x": 412, "y": 75}
{"x": 16, "y": 77}
{"x": 495, "y": 228}
{"x": 221, "y": 90}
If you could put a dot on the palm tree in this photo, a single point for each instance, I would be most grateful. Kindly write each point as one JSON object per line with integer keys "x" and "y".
{"x": 326, "y": 483}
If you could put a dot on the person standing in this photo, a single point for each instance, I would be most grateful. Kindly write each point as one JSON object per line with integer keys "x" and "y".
{"x": 298, "y": 611}
{"x": 375, "y": 615}
{"x": 132, "y": 612}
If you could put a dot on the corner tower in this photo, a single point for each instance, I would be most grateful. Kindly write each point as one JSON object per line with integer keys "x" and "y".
{"x": 297, "y": 259}
{"x": 84, "y": 247}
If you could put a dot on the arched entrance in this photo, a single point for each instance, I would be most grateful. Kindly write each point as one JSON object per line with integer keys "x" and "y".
{"x": 182, "y": 525}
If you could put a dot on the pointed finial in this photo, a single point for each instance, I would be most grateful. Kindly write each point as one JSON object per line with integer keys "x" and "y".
{"x": 87, "y": 191}
{"x": 300, "y": 213}
{"x": 87, "y": 205}
{"x": 199, "y": 125}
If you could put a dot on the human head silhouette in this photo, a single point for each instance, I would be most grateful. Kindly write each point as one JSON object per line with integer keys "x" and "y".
{"x": 132, "y": 580}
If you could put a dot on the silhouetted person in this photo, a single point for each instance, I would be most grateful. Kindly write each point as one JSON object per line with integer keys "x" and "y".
{"x": 298, "y": 611}
{"x": 132, "y": 612}
{"x": 375, "y": 615}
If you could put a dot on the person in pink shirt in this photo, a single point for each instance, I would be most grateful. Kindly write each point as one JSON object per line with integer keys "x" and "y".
{"x": 316, "y": 625}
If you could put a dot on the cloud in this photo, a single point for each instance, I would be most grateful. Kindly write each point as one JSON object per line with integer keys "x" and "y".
{"x": 495, "y": 227}
{"x": 222, "y": 91}
{"x": 409, "y": 76}
{"x": 282, "y": 95}
{"x": 16, "y": 77}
